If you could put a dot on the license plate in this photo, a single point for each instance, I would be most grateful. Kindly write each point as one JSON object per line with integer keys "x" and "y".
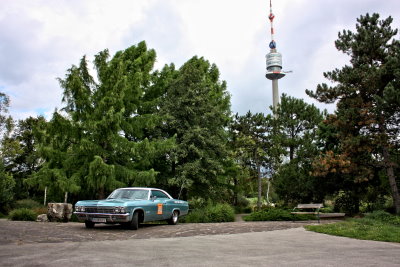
{"x": 99, "y": 220}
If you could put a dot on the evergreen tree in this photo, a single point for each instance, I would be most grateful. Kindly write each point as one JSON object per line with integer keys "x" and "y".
{"x": 368, "y": 104}
{"x": 7, "y": 182}
{"x": 101, "y": 142}
{"x": 20, "y": 155}
{"x": 197, "y": 110}
{"x": 255, "y": 149}
{"x": 296, "y": 124}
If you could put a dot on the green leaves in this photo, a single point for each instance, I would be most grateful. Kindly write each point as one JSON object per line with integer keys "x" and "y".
{"x": 196, "y": 106}
{"x": 366, "y": 121}
{"x": 106, "y": 139}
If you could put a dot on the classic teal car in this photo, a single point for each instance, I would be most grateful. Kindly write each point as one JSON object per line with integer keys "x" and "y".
{"x": 131, "y": 206}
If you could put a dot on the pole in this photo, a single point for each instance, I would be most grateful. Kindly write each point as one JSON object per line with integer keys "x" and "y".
{"x": 275, "y": 94}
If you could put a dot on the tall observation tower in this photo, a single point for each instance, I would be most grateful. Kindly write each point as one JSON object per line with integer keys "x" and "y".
{"x": 274, "y": 63}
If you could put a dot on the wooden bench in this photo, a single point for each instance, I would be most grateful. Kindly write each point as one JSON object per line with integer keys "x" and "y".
{"x": 314, "y": 207}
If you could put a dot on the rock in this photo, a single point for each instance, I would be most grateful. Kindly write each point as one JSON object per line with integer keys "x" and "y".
{"x": 57, "y": 212}
{"x": 42, "y": 218}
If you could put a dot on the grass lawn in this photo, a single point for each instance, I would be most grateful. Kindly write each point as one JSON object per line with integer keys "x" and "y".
{"x": 365, "y": 228}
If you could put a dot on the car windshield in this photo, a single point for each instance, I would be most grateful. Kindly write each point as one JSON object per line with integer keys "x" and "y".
{"x": 129, "y": 194}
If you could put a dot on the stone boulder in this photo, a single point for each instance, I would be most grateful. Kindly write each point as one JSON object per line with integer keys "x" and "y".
{"x": 59, "y": 212}
{"x": 42, "y": 218}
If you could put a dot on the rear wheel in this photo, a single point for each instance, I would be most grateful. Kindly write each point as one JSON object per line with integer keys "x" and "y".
{"x": 89, "y": 224}
{"x": 134, "y": 224}
{"x": 174, "y": 218}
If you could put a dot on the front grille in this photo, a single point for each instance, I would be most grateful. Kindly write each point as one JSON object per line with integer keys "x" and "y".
{"x": 99, "y": 210}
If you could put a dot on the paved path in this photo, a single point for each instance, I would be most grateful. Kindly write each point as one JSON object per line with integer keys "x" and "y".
{"x": 22, "y": 233}
{"x": 290, "y": 247}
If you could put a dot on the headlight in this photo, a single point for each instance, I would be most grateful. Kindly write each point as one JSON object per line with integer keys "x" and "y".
{"x": 119, "y": 210}
{"x": 78, "y": 208}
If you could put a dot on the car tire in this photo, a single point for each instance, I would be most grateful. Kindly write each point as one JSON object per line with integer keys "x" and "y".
{"x": 134, "y": 224}
{"x": 89, "y": 224}
{"x": 174, "y": 218}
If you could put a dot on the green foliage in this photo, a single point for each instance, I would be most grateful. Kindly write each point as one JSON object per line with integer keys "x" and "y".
{"x": 383, "y": 217}
{"x": 346, "y": 202}
{"x": 296, "y": 124}
{"x": 276, "y": 214}
{"x": 197, "y": 111}
{"x": 379, "y": 226}
{"x": 367, "y": 118}
{"x": 107, "y": 138}
{"x": 21, "y": 157}
{"x": 7, "y": 184}
{"x": 22, "y": 214}
{"x": 253, "y": 143}
{"x": 26, "y": 204}
{"x": 211, "y": 214}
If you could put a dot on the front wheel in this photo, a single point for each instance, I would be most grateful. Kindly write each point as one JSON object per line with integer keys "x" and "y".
{"x": 174, "y": 218}
{"x": 89, "y": 224}
{"x": 134, "y": 224}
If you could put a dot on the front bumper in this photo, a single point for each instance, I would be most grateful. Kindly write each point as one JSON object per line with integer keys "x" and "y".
{"x": 109, "y": 217}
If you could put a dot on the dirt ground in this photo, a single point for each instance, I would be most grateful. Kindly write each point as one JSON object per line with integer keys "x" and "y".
{"x": 18, "y": 232}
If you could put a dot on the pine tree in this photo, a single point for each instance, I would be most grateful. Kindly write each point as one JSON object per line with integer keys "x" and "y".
{"x": 368, "y": 103}
{"x": 295, "y": 129}
{"x": 254, "y": 148}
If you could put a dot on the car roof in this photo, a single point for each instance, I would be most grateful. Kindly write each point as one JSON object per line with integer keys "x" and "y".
{"x": 141, "y": 188}
{"x": 147, "y": 188}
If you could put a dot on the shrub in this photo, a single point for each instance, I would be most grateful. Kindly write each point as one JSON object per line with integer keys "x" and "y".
{"x": 211, "y": 214}
{"x": 27, "y": 204}
{"x": 40, "y": 210}
{"x": 276, "y": 214}
{"x": 384, "y": 217}
{"x": 22, "y": 215}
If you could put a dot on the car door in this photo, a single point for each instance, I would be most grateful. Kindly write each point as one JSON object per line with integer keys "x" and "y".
{"x": 160, "y": 205}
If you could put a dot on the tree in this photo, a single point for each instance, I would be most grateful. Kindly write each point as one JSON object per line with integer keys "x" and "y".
{"x": 368, "y": 103}
{"x": 197, "y": 109}
{"x": 295, "y": 129}
{"x": 254, "y": 147}
{"x": 296, "y": 124}
{"x": 100, "y": 141}
{"x": 6, "y": 122}
{"x": 20, "y": 155}
{"x": 7, "y": 182}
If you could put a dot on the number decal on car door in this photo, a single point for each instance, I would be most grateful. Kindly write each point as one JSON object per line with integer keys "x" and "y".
{"x": 159, "y": 208}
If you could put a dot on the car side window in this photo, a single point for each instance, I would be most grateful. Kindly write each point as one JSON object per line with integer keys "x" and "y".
{"x": 158, "y": 194}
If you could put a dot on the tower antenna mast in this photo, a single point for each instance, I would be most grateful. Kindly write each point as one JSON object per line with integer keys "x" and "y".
{"x": 274, "y": 62}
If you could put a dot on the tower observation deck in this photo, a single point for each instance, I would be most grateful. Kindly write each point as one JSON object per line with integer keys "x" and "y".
{"x": 274, "y": 63}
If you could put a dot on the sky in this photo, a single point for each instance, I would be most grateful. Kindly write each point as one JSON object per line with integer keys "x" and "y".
{"x": 41, "y": 39}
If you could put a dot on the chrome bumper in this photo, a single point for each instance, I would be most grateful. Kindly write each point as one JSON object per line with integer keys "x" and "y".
{"x": 110, "y": 217}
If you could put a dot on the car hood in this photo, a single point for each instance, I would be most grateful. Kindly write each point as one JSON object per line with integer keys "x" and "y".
{"x": 107, "y": 202}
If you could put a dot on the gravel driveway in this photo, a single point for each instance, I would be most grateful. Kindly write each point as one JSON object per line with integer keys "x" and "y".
{"x": 17, "y": 232}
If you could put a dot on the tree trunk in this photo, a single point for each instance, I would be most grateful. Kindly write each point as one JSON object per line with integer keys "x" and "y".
{"x": 268, "y": 184}
{"x": 259, "y": 187}
{"x": 45, "y": 196}
{"x": 291, "y": 153}
{"x": 101, "y": 192}
{"x": 235, "y": 191}
{"x": 392, "y": 179}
